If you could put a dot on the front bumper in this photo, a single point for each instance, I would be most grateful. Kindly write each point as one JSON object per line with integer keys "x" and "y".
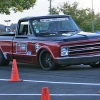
{"x": 78, "y": 60}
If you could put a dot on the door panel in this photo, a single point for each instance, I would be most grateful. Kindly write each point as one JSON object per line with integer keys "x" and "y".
{"x": 23, "y": 50}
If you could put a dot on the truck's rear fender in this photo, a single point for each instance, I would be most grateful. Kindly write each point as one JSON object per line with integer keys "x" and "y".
{"x": 4, "y": 53}
{"x": 9, "y": 54}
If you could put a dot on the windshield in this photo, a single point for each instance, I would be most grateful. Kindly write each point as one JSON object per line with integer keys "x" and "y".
{"x": 64, "y": 26}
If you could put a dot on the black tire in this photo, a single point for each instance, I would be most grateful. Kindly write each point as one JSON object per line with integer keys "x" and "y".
{"x": 3, "y": 61}
{"x": 95, "y": 65}
{"x": 46, "y": 61}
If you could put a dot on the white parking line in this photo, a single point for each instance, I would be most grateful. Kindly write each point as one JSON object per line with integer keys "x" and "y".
{"x": 50, "y": 94}
{"x": 52, "y": 82}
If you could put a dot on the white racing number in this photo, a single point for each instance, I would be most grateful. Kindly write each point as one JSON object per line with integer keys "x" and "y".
{"x": 37, "y": 46}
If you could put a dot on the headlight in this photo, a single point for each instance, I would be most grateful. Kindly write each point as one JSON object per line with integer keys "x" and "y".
{"x": 64, "y": 51}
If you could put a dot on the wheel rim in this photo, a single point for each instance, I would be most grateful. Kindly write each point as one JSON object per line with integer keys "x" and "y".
{"x": 46, "y": 61}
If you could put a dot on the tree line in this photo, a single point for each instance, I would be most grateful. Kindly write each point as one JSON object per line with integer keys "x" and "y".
{"x": 86, "y": 18}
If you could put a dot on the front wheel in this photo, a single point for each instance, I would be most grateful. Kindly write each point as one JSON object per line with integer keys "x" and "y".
{"x": 46, "y": 60}
{"x": 95, "y": 65}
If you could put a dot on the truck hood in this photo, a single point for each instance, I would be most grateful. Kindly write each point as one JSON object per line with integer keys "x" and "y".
{"x": 77, "y": 37}
{"x": 82, "y": 36}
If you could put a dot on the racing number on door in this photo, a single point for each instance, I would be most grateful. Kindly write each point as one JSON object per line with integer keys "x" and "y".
{"x": 21, "y": 47}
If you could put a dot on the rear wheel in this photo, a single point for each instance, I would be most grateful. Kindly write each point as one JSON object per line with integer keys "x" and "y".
{"x": 46, "y": 60}
{"x": 3, "y": 61}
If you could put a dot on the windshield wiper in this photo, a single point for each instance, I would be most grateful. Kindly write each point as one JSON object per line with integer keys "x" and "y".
{"x": 47, "y": 33}
{"x": 67, "y": 31}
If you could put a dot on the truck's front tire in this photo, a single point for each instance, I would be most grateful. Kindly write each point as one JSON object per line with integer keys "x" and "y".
{"x": 95, "y": 65}
{"x": 3, "y": 61}
{"x": 46, "y": 60}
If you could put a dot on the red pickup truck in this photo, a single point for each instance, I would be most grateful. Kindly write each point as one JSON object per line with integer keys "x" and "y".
{"x": 50, "y": 41}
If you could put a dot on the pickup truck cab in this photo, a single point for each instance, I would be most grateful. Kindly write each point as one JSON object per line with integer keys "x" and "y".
{"x": 50, "y": 41}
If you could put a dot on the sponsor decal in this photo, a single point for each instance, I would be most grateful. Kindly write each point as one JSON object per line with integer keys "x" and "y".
{"x": 29, "y": 53}
{"x": 21, "y": 47}
{"x": 53, "y": 19}
{"x": 37, "y": 46}
{"x": 35, "y": 21}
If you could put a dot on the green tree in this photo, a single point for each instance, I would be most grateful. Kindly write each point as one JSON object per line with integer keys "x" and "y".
{"x": 15, "y": 5}
{"x": 83, "y": 17}
{"x": 96, "y": 24}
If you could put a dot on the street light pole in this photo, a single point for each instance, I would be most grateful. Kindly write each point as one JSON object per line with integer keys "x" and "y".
{"x": 92, "y": 18}
{"x": 50, "y": 9}
{"x": 92, "y": 6}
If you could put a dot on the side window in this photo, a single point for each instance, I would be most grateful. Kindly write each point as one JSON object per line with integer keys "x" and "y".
{"x": 24, "y": 28}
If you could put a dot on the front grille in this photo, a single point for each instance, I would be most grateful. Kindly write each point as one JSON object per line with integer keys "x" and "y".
{"x": 86, "y": 48}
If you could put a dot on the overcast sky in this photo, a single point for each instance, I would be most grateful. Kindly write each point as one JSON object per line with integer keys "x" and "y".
{"x": 41, "y": 8}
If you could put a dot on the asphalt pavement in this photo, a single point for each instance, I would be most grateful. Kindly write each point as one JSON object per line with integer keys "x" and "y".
{"x": 77, "y": 82}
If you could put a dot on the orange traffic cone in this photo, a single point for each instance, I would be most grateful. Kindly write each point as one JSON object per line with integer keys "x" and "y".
{"x": 14, "y": 73}
{"x": 45, "y": 94}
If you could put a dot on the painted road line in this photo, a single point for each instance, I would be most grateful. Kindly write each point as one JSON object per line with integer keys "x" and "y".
{"x": 50, "y": 94}
{"x": 52, "y": 82}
